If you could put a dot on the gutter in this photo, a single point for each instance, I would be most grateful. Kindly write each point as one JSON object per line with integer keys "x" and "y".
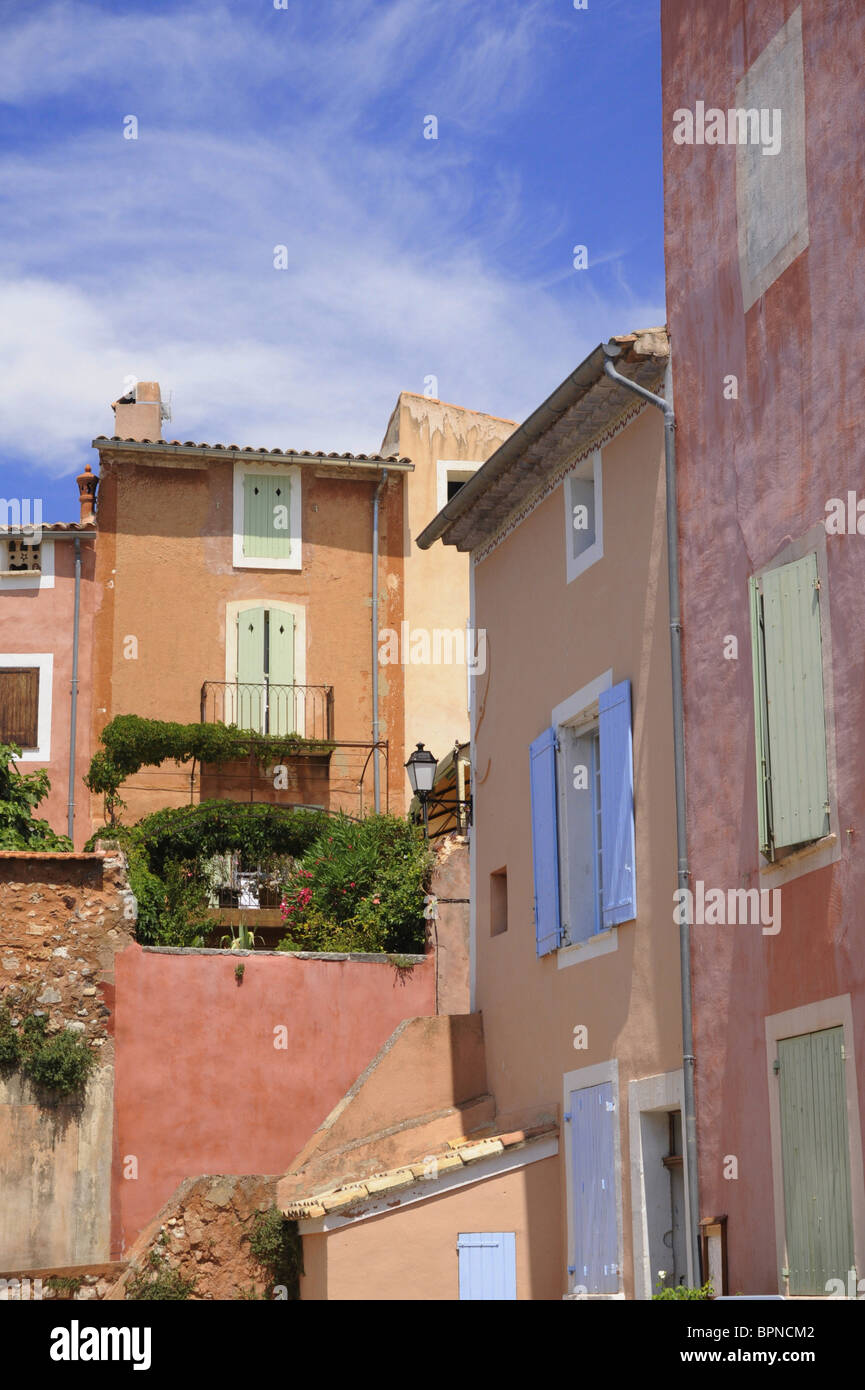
{"x": 74, "y": 700}
{"x": 689, "y": 1119}
{"x": 376, "y": 776}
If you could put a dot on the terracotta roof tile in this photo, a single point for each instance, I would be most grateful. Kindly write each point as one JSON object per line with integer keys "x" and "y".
{"x": 102, "y": 441}
{"x": 461, "y": 1153}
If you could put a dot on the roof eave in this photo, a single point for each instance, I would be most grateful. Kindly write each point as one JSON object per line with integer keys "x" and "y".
{"x": 588, "y": 374}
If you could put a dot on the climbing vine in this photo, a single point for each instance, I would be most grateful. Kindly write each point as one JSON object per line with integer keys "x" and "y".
{"x": 130, "y": 743}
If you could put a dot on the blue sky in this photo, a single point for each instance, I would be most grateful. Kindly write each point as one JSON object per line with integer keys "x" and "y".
{"x": 304, "y": 127}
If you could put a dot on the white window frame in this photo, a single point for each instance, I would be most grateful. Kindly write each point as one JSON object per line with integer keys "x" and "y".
{"x": 579, "y": 1080}
{"x": 44, "y": 661}
{"x": 452, "y": 470}
{"x": 661, "y": 1093}
{"x": 814, "y": 1018}
{"x": 578, "y": 564}
{"x": 42, "y": 578}
{"x": 579, "y": 712}
{"x": 290, "y": 471}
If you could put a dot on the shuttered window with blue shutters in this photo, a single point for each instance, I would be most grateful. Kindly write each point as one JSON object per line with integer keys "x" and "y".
{"x": 789, "y": 716}
{"x": 545, "y": 842}
{"x": 488, "y": 1265}
{"x": 593, "y": 851}
{"x": 617, "y": 806}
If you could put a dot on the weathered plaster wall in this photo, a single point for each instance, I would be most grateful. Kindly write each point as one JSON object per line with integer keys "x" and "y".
{"x": 62, "y": 920}
{"x": 546, "y": 640}
{"x": 165, "y": 561}
{"x": 436, "y": 580}
{"x": 201, "y": 1084}
{"x": 40, "y": 621}
{"x": 411, "y": 1254}
{"x": 755, "y": 473}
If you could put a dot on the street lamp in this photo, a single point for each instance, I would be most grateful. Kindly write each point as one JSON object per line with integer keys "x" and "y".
{"x": 421, "y": 769}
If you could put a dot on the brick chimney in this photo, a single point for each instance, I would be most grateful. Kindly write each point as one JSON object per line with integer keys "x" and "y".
{"x": 87, "y": 482}
{"x": 138, "y": 415}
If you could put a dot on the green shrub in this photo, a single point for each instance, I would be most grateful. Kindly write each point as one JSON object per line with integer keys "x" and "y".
{"x": 19, "y": 794}
{"x": 276, "y": 1244}
{"x": 159, "y": 1283}
{"x": 61, "y": 1063}
{"x": 10, "y": 1043}
{"x": 166, "y": 853}
{"x": 359, "y": 887}
{"x": 681, "y": 1291}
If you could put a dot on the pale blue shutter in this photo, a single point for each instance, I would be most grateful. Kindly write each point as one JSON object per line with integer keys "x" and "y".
{"x": 618, "y": 849}
{"x": 591, "y": 1124}
{"x": 545, "y": 847}
{"x": 488, "y": 1265}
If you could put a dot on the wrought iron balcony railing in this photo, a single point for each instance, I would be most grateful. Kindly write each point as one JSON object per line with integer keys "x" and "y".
{"x": 263, "y": 708}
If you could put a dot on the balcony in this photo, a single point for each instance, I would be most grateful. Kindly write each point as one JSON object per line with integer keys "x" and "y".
{"x": 264, "y": 708}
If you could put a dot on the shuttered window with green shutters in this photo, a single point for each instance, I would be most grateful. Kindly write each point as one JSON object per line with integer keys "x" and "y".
{"x": 266, "y": 696}
{"x": 266, "y": 517}
{"x": 789, "y": 714}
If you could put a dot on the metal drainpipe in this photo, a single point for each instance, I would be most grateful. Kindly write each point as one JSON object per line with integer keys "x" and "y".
{"x": 688, "y": 1061}
{"x": 375, "y": 730}
{"x": 70, "y": 809}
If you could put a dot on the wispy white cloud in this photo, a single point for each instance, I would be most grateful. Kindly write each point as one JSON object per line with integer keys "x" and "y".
{"x": 155, "y": 257}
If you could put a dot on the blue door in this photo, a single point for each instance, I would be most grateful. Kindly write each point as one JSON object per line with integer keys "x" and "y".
{"x": 488, "y": 1265}
{"x": 594, "y": 1262}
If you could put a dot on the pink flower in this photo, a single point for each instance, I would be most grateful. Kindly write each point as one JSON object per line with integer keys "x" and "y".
{"x": 351, "y": 885}
{"x": 376, "y": 900}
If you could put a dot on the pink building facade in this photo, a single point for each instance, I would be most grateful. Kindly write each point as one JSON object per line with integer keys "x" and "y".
{"x": 764, "y": 243}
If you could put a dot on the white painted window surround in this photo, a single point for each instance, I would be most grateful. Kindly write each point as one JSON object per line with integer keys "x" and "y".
{"x": 452, "y": 470}
{"x": 298, "y": 612}
{"x": 812, "y": 1018}
{"x": 45, "y": 663}
{"x": 584, "y": 487}
{"x": 291, "y": 472}
{"x": 659, "y": 1095}
{"x": 577, "y": 713}
{"x": 29, "y": 579}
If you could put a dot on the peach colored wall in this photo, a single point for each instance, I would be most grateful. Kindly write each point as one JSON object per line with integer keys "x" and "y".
{"x": 755, "y": 474}
{"x": 546, "y": 640}
{"x": 200, "y": 1086}
{"x": 40, "y": 621}
{"x": 165, "y": 560}
{"x": 411, "y": 1254}
{"x": 436, "y": 580}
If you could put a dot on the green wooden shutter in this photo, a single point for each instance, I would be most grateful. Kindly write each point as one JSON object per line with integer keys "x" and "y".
{"x": 761, "y": 723}
{"x": 265, "y": 537}
{"x": 283, "y": 718}
{"x": 816, "y": 1159}
{"x": 794, "y": 703}
{"x": 249, "y": 713}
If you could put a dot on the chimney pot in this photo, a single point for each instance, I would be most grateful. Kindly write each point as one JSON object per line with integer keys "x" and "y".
{"x": 87, "y": 483}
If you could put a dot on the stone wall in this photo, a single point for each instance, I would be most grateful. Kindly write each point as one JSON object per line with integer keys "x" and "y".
{"x": 63, "y": 918}
{"x": 202, "y": 1232}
